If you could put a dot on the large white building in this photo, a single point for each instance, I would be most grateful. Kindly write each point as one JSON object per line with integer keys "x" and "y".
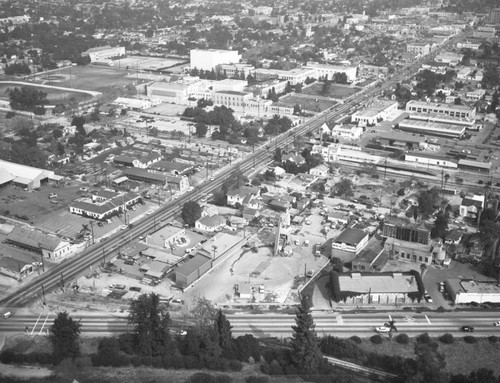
{"x": 432, "y": 128}
{"x": 104, "y": 53}
{"x": 418, "y": 48}
{"x": 322, "y": 70}
{"x": 294, "y": 76}
{"x": 375, "y": 113}
{"x": 344, "y": 153}
{"x": 208, "y": 59}
{"x": 449, "y": 110}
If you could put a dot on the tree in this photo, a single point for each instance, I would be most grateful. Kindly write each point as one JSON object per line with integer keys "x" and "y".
{"x": 204, "y": 314}
{"x": 344, "y": 187}
{"x": 337, "y": 264}
{"x": 305, "y": 352}
{"x": 223, "y": 332}
{"x": 151, "y": 325}
{"x": 440, "y": 228}
{"x": 298, "y": 87}
{"x": 201, "y": 130}
{"x": 28, "y": 99}
{"x": 65, "y": 337}
{"x": 191, "y": 212}
{"x": 427, "y": 200}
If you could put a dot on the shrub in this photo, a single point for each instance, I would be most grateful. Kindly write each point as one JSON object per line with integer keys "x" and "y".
{"x": 402, "y": 339}
{"x": 447, "y": 338}
{"x": 235, "y": 365}
{"x": 257, "y": 379}
{"x": 356, "y": 339}
{"x": 470, "y": 339}
{"x": 376, "y": 339}
{"x": 7, "y": 357}
{"x": 201, "y": 377}
{"x": 223, "y": 379}
{"x": 340, "y": 348}
{"x": 424, "y": 338}
{"x": 493, "y": 339}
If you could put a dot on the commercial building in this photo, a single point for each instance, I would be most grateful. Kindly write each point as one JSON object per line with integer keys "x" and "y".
{"x": 166, "y": 180}
{"x": 236, "y": 70}
{"x": 104, "y": 53}
{"x": 294, "y": 76}
{"x": 377, "y": 288}
{"x": 24, "y": 176}
{"x": 375, "y": 113}
{"x": 415, "y": 252}
{"x": 463, "y": 291}
{"x": 168, "y": 91}
{"x": 437, "y": 129}
{"x": 346, "y": 132}
{"x": 103, "y": 207}
{"x": 193, "y": 269}
{"x": 404, "y": 230}
{"x": 428, "y": 160}
{"x": 474, "y": 166}
{"x": 449, "y": 58}
{"x": 49, "y": 245}
{"x": 449, "y": 110}
{"x": 339, "y": 152}
{"x": 350, "y": 241}
{"x": 18, "y": 267}
{"x": 371, "y": 258}
{"x": 209, "y": 59}
{"x": 418, "y": 48}
{"x": 401, "y": 141}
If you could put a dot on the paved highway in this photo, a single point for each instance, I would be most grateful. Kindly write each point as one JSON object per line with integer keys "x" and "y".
{"x": 280, "y": 325}
{"x": 71, "y": 268}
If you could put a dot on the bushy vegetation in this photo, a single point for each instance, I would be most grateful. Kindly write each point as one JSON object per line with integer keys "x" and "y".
{"x": 447, "y": 338}
{"x": 356, "y": 339}
{"x": 493, "y": 339}
{"x": 424, "y": 338}
{"x": 376, "y": 339}
{"x": 402, "y": 339}
{"x": 470, "y": 339}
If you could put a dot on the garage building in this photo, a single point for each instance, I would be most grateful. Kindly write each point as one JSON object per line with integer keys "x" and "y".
{"x": 193, "y": 269}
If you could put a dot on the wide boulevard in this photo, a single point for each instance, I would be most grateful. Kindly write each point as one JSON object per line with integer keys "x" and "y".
{"x": 280, "y": 325}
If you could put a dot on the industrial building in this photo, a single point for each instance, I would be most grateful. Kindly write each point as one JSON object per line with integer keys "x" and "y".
{"x": 104, "y": 53}
{"x": 430, "y": 160}
{"x": 48, "y": 245}
{"x": 403, "y": 229}
{"x": 463, "y": 291}
{"x": 193, "y": 269}
{"x": 375, "y": 113}
{"x": 377, "y": 288}
{"x": 447, "y": 109}
{"x": 432, "y": 128}
{"x": 24, "y": 176}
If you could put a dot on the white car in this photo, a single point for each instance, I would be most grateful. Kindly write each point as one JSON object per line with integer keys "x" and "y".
{"x": 123, "y": 227}
{"x": 383, "y": 329}
{"x": 428, "y": 298}
{"x": 496, "y": 324}
{"x": 151, "y": 211}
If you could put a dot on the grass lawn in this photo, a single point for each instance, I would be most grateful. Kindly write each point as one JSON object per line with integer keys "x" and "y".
{"x": 306, "y": 103}
{"x": 336, "y": 91}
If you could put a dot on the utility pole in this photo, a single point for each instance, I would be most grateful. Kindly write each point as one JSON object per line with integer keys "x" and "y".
{"x": 43, "y": 295}
{"x": 92, "y": 231}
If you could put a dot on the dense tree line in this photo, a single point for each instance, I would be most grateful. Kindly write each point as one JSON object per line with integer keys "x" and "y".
{"x": 27, "y": 99}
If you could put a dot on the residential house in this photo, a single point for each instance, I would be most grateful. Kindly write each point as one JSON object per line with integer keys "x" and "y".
{"x": 210, "y": 223}
{"x": 470, "y": 206}
{"x": 319, "y": 171}
{"x": 238, "y": 195}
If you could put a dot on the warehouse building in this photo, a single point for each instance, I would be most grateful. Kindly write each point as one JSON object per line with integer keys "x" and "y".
{"x": 432, "y": 128}
{"x": 447, "y": 109}
{"x": 463, "y": 291}
{"x": 193, "y": 269}
{"x": 49, "y": 245}
{"x": 24, "y": 176}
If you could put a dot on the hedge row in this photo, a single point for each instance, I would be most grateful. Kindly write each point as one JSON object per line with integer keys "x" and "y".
{"x": 171, "y": 362}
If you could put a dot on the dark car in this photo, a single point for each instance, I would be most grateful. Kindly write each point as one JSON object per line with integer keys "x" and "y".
{"x": 467, "y": 329}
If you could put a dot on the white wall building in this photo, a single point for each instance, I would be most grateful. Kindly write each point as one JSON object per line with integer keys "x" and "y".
{"x": 294, "y": 76}
{"x": 450, "y": 110}
{"x": 351, "y": 133}
{"x": 322, "y": 70}
{"x": 338, "y": 152}
{"x": 104, "y": 53}
{"x": 208, "y": 59}
{"x": 378, "y": 112}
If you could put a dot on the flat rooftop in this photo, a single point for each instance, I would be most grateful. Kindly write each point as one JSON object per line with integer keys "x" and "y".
{"x": 378, "y": 283}
{"x": 480, "y": 287}
{"x": 430, "y": 125}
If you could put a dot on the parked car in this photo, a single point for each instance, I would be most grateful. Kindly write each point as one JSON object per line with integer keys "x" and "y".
{"x": 52, "y": 195}
{"x": 133, "y": 288}
{"x": 467, "y": 329}
{"x": 427, "y": 297}
{"x": 123, "y": 227}
{"x": 497, "y": 323}
{"x": 383, "y": 329}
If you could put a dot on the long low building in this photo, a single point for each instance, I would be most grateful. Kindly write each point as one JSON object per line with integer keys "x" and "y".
{"x": 432, "y": 128}
{"x": 176, "y": 183}
{"x": 22, "y": 175}
{"x": 425, "y": 159}
{"x": 474, "y": 166}
{"x": 447, "y": 109}
{"x": 101, "y": 208}
{"x": 49, "y": 245}
{"x": 467, "y": 291}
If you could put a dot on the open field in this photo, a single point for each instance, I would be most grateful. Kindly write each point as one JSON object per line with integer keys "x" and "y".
{"x": 146, "y": 63}
{"x": 88, "y": 77}
{"x": 306, "y": 103}
{"x": 335, "y": 91}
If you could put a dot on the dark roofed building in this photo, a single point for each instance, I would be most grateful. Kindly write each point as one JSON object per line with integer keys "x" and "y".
{"x": 371, "y": 258}
{"x": 49, "y": 245}
{"x": 193, "y": 269}
{"x": 175, "y": 168}
{"x": 405, "y": 230}
{"x": 350, "y": 240}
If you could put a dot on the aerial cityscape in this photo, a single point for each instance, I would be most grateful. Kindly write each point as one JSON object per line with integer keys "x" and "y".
{"x": 223, "y": 191}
